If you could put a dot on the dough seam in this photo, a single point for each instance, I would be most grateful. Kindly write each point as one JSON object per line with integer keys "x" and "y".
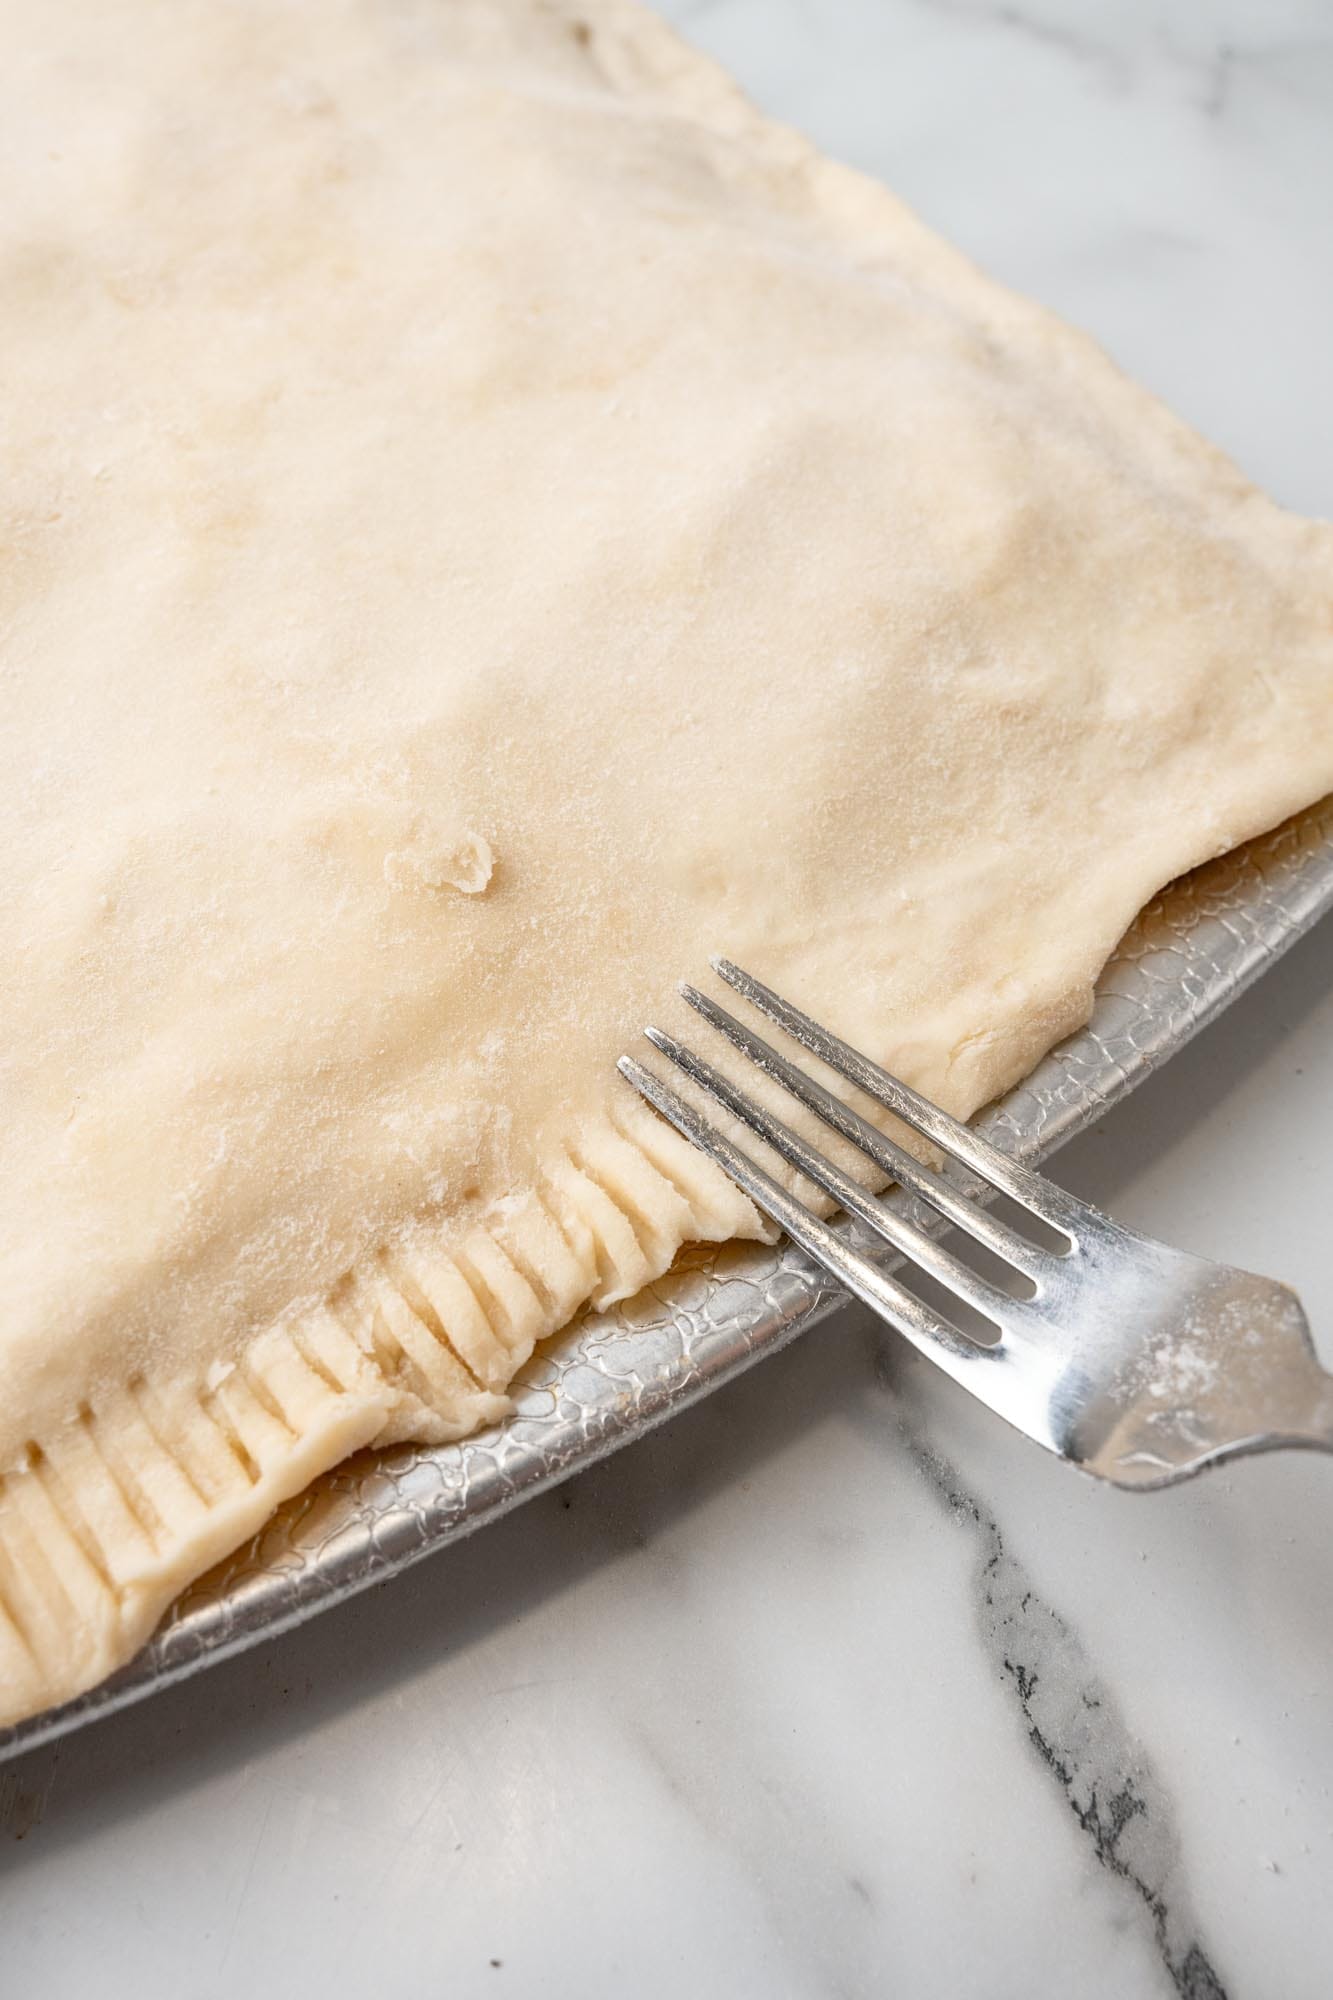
{"x": 83, "y": 1584}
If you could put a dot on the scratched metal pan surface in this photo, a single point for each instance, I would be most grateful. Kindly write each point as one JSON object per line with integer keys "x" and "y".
{"x": 612, "y": 1376}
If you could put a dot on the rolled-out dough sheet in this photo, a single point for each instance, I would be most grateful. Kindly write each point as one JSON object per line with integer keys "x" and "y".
{"x": 487, "y": 521}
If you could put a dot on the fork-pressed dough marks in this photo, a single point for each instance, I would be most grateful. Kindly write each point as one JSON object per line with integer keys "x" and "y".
{"x": 488, "y": 521}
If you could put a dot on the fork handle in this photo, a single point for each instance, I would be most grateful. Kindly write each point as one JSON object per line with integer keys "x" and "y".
{"x": 1311, "y": 1421}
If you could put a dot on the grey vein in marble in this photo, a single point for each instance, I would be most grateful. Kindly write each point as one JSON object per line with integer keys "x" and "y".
{"x": 1074, "y": 1725}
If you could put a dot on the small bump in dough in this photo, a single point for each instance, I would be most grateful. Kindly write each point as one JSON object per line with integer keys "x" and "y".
{"x": 465, "y": 864}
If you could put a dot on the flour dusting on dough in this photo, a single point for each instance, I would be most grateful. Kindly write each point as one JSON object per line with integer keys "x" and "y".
{"x": 514, "y": 437}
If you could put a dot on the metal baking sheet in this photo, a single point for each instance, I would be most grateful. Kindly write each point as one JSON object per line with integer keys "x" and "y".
{"x": 612, "y": 1376}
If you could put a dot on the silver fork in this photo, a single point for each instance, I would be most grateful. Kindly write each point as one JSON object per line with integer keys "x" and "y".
{"x": 1135, "y": 1361}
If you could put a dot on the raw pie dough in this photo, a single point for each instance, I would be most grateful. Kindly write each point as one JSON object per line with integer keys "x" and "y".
{"x": 488, "y": 520}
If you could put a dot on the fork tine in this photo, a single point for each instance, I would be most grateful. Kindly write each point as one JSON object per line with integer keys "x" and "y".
{"x": 943, "y": 1344}
{"x": 1050, "y": 1204}
{"x": 850, "y": 1196}
{"x": 951, "y": 1203}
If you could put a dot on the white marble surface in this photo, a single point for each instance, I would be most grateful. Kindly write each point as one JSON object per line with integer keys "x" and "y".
{"x": 835, "y": 1687}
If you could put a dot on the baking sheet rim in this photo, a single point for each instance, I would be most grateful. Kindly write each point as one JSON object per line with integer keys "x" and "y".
{"x": 613, "y": 1377}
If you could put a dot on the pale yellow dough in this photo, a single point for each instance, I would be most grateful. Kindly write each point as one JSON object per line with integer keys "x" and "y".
{"x": 487, "y": 520}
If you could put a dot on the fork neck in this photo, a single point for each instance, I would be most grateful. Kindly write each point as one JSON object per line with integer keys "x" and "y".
{"x": 1312, "y": 1423}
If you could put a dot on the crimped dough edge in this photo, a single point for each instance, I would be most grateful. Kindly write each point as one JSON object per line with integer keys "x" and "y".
{"x": 150, "y": 1483}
